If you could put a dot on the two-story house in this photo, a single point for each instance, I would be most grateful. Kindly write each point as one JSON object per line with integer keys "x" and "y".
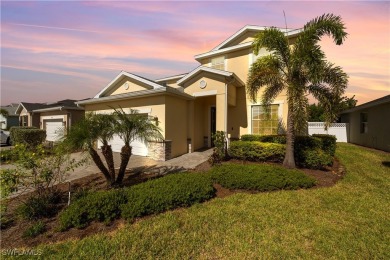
{"x": 190, "y": 107}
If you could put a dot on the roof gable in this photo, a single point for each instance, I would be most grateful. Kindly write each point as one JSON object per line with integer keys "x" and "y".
{"x": 246, "y": 34}
{"x": 121, "y": 78}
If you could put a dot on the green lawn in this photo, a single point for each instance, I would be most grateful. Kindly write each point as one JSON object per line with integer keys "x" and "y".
{"x": 350, "y": 220}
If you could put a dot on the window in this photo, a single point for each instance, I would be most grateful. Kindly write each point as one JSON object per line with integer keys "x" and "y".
{"x": 264, "y": 123}
{"x": 218, "y": 63}
{"x": 363, "y": 123}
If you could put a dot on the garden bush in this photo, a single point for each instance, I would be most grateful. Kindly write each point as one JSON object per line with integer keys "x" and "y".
{"x": 260, "y": 177}
{"x": 30, "y": 136}
{"x": 36, "y": 207}
{"x": 101, "y": 206}
{"x": 34, "y": 230}
{"x": 328, "y": 143}
{"x": 279, "y": 139}
{"x": 315, "y": 159}
{"x": 257, "y": 151}
{"x": 154, "y": 196}
{"x": 170, "y": 192}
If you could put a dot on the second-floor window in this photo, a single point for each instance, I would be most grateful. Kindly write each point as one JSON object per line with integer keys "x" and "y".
{"x": 218, "y": 63}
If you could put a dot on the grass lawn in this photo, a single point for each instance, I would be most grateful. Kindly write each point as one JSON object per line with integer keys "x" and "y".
{"x": 349, "y": 220}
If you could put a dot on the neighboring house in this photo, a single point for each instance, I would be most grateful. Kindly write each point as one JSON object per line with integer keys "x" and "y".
{"x": 192, "y": 106}
{"x": 11, "y": 119}
{"x": 369, "y": 124}
{"x": 56, "y": 118}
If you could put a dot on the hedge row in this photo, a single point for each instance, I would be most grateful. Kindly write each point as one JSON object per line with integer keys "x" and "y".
{"x": 257, "y": 151}
{"x": 30, "y": 136}
{"x": 155, "y": 196}
{"x": 313, "y": 152}
{"x": 260, "y": 177}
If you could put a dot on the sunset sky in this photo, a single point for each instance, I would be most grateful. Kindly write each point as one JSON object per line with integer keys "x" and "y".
{"x": 72, "y": 49}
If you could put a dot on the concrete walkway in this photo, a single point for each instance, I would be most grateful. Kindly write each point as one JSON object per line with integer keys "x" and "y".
{"x": 138, "y": 164}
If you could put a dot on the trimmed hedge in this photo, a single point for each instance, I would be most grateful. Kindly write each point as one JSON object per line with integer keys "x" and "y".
{"x": 100, "y": 206}
{"x": 155, "y": 196}
{"x": 170, "y": 192}
{"x": 314, "y": 152}
{"x": 257, "y": 151}
{"x": 260, "y": 177}
{"x": 279, "y": 139}
{"x": 31, "y": 136}
{"x": 328, "y": 144}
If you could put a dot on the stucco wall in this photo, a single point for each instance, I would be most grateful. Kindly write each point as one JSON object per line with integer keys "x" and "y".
{"x": 132, "y": 84}
{"x": 377, "y": 136}
{"x": 176, "y": 124}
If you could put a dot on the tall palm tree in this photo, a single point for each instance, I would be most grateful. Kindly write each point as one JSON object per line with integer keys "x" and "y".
{"x": 131, "y": 127}
{"x": 299, "y": 68}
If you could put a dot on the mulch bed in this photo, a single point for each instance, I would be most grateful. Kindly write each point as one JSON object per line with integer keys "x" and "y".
{"x": 11, "y": 236}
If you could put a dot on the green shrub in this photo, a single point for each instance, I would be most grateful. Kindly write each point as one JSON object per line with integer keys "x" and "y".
{"x": 315, "y": 159}
{"x": 34, "y": 230}
{"x": 279, "y": 139}
{"x": 158, "y": 195}
{"x": 7, "y": 156}
{"x": 220, "y": 152}
{"x": 328, "y": 143}
{"x": 257, "y": 151}
{"x": 36, "y": 207}
{"x": 260, "y": 177}
{"x": 100, "y": 206}
{"x": 30, "y": 136}
{"x": 170, "y": 192}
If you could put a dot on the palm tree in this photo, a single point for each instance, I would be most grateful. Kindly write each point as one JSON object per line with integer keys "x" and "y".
{"x": 83, "y": 136}
{"x": 131, "y": 127}
{"x": 299, "y": 68}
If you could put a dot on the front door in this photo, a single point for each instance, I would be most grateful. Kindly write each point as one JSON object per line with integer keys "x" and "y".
{"x": 213, "y": 123}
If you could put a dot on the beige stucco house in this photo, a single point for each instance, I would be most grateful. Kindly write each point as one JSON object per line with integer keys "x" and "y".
{"x": 369, "y": 124}
{"x": 191, "y": 106}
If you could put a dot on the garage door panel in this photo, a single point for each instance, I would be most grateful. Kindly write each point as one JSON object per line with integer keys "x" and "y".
{"x": 138, "y": 148}
{"x": 54, "y": 130}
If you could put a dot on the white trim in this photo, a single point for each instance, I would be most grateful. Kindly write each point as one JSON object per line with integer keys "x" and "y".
{"x": 53, "y": 117}
{"x": 205, "y": 93}
{"x": 255, "y": 28}
{"x": 123, "y": 74}
{"x": 171, "y": 77}
{"x": 218, "y": 52}
{"x": 203, "y": 68}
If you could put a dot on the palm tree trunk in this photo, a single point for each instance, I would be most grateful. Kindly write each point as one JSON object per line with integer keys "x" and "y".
{"x": 107, "y": 153}
{"x": 289, "y": 160}
{"x": 125, "y": 157}
{"x": 98, "y": 161}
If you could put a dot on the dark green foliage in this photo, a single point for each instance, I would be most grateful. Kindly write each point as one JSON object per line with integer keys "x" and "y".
{"x": 220, "y": 151}
{"x": 260, "y": 177}
{"x": 279, "y": 139}
{"x": 7, "y": 156}
{"x": 328, "y": 143}
{"x": 34, "y": 230}
{"x": 36, "y": 207}
{"x": 257, "y": 151}
{"x": 101, "y": 206}
{"x": 31, "y": 136}
{"x": 170, "y": 192}
{"x": 315, "y": 159}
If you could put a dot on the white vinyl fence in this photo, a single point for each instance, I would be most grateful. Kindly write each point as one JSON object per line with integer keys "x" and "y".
{"x": 340, "y": 130}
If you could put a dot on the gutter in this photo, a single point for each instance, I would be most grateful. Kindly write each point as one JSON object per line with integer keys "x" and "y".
{"x": 57, "y": 109}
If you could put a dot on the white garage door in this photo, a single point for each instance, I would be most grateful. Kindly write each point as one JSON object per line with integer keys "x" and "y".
{"x": 138, "y": 148}
{"x": 54, "y": 129}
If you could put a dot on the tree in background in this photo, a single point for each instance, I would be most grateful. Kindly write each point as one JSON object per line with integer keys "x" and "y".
{"x": 316, "y": 112}
{"x": 299, "y": 68}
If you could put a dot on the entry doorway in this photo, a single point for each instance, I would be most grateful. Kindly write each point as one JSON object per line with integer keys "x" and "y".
{"x": 213, "y": 124}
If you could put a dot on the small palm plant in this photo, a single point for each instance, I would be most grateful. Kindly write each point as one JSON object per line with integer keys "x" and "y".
{"x": 131, "y": 127}
{"x": 299, "y": 68}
